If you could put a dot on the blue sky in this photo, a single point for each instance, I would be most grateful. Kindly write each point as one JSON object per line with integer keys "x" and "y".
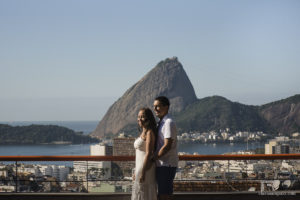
{"x": 70, "y": 60}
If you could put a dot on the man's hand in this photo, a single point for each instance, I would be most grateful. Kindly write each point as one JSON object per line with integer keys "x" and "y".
{"x": 142, "y": 178}
{"x": 154, "y": 157}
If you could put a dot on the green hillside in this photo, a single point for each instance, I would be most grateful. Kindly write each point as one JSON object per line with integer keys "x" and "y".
{"x": 214, "y": 113}
{"x": 41, "y": 134}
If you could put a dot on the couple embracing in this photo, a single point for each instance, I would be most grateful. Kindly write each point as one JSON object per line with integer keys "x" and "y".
{"x": 156, "y": 153}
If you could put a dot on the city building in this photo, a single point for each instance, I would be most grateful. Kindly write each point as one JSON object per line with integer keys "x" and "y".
{"x": 97, "y": 169}
{"x": 279, "y": 145}
{"x": 123, "y": 146}
{"x": 101, "y": 150}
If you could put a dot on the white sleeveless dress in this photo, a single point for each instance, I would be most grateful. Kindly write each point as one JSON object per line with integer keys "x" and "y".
{"x": 148, "y": 189}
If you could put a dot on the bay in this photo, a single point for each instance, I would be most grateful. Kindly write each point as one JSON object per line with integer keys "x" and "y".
{"x": 84, "y": 149}
{"x": 217, "y": 148}
{"x": 44, "y": 150}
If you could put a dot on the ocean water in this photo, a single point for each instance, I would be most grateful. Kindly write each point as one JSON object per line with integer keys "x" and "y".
{"x": 44, "y": 150}
{"x": 221, "y": 148}
{"x": 84, "y": 149}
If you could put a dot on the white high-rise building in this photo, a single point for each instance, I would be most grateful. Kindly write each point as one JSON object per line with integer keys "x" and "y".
{"x": 63, "y": 173}
{"x": 48, "y": 171}
{"x": 59, "y": 172}
{"x": 104, "y": 167}
{"x": 277, "y": 146}
{"x": 100, "y": 150}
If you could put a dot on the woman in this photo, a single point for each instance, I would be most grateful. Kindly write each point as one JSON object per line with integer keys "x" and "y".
{"x": 144, "y": 185}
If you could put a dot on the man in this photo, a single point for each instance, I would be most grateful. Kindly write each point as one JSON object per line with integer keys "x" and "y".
{"x": 166, "y": 155}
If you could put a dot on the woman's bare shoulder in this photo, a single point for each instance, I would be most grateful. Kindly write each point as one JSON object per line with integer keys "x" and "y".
{"x": 150, "y": 132}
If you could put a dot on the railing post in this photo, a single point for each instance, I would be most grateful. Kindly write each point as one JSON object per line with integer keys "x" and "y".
{"x": 228, "y": 166}
{"x": 246, "y": 174}
{"x": 262, "y": 186}
{"x": 87, "y": 176}
{"x": 16, "y": 180}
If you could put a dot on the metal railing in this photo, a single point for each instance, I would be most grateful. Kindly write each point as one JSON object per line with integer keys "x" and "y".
{"x": 131, "y": 158}
{"x": 225, "y": 181}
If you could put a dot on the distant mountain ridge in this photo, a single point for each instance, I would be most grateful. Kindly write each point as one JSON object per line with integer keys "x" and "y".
{"x": 216, "y": 112}
{"x": 168, "y": 78}
{"x": 283, "y": 115}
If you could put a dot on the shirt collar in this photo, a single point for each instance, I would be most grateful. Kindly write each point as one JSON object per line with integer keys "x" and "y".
{"x": 164, "y": 118}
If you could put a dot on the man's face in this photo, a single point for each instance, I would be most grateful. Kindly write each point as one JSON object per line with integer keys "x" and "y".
{"x": 159, "y": 109}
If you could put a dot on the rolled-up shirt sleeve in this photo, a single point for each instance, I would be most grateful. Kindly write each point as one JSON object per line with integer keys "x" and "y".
{"x": 167, "y": 132}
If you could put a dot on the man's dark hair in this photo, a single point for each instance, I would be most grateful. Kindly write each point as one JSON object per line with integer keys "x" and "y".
{"x": 163, "y": 100}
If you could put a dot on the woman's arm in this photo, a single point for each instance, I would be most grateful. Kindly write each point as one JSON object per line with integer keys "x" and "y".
{"x": 149, "y": 150}
{"x": 165, "y": 148}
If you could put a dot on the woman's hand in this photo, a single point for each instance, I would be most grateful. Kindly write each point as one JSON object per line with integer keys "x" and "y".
{"x": 133, "y": 176}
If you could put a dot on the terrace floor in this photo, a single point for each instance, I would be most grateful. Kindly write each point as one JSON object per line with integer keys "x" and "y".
{"x": 288, "y": 195}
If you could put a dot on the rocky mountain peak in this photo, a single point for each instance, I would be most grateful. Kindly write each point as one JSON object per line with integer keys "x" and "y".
{"x": 167, "y": 78}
